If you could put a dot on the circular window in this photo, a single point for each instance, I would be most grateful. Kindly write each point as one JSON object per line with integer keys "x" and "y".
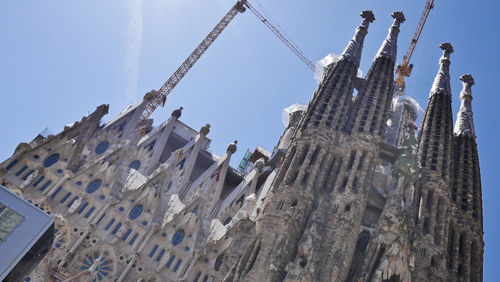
{"x": 94, "y": 186}
{"x": 51, "y": 160}
{"x": 135, "y": 212}
{"x": 102, "y": 147}
{"x": 178, "y": 237}
{"x": 135, "y": 164}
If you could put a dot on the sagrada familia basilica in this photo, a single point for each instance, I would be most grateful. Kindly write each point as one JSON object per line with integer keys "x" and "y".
{"x": 349, "y": 193}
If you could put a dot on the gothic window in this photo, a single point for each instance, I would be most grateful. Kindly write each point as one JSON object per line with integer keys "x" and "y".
{"x": 38, "y": 181}
{"x": 197, "y": 277}
{"x": 51, "y": 160}
{"x": 65, "y": 197}
{"x": 160, "y": 255}
{"x": 83, "y": 208}
{"x": 133, "y": 239}
{"x": 28, "y": 174}
{"x": 117, "y": 227}
{"x": 89, "y": 212}
{"x": 21, "y": 170}
{"x": 94, "y": 186}
{"x": 135, "y": 212}
{"x": 153, "y": 251}
{"x": 178, "y": 237}
{"x": 169, "y": 186}
{"x": 170, "y": 261}
{"x": 108, "y": 226}
{"x": 56, "y": 192}
{"x": 125, "y": 236}
{"x": 71, "y": 202}
{"x": 151, "y": 145}
{"x": 218, "y": 262}
{"x": 177, "y": 265}
{"x": 135, "y": 164}
{"x": 180, "y": 165}
{"x": 13, "y": 163}
{"x": 101, "y": 147}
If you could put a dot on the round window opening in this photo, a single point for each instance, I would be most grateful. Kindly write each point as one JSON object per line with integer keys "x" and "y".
{"x": 102, "y": 147}
{"x": 135, "y": 212}
{"x": 51, "y": 160}
{"x": 94, "y": 186}
{"x": 135, "y": 164}
{"x": 178, "y": 237}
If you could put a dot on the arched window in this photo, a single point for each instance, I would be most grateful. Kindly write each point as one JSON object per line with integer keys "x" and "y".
{"x": 51, "y": 160}
{"x": 135, "y": 212}
{"x": 101, "y": 147}
{"x": 178, "y": 237}
{"x": 197, "y": 276}
{"x": 93, "y": 186}
{"x": 83, "y": 207}
{"x": 135, "y": 164}
{"x": 125, "y": 236}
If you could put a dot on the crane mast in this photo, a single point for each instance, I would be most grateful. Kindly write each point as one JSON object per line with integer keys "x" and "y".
{"x": 404, "y": 68}
{"x": 157, "y": 98}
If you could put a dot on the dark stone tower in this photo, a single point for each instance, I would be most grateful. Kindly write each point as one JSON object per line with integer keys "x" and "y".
{"x": 432, "y": 198}
{"x": 465, "y": 234}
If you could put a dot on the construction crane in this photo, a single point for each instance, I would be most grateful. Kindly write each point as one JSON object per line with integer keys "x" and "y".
{"x": 157, "y": 98}
{"x": 404, "y": 68}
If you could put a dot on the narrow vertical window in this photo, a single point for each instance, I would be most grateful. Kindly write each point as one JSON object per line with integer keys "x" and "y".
{"x": 177, "y": 265}
{"x": 110, "y": 223}
{"x": 89, "y": 212}
{"x": 117, "y": 227}
{"x": 83, "y": 207}
{"x": 125, "y": 236}
{"x": 131, "y": 242}
{"x": 21, "y": 170}
{"x": 153, "y": 251}
{"x": 160, "y": 255}
{"x": 56, "y": 192}
{"x": 13, "y": 163}
{"x": 65, "y": 197}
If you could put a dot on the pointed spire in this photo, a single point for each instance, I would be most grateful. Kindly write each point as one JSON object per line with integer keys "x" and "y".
{"x": 442, "y": 80}
{"x": 465, "y": 124}
{"x": 389, "y": 47}
{"x": 355, "y": 46}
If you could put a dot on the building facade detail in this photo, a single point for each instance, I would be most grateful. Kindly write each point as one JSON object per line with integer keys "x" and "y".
{"x": 349, "y": 193}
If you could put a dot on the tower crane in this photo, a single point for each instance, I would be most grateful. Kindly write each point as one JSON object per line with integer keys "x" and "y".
{"x": 157, "y": 98}
{"x": 404, "y": 68}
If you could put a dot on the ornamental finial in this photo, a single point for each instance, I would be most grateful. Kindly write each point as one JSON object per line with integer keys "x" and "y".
{"x": 389, "y": 46}
{"x": 465, "y": 123}
{"x": 442, "y": 80}
{"x": 355, "y": 46}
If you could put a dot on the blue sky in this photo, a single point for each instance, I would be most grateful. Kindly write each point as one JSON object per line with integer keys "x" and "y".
{"x": 61, "y": 59}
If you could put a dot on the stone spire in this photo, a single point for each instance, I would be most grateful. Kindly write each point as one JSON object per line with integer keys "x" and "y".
{"x": 355, "y": 46}
{"x": 389, "y": 47}
{"x": 372, "y": 103}
{"x": 465, "y": 124}
{"x": 442, "y": 80}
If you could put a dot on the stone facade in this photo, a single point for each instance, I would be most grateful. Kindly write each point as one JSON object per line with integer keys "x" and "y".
{"x": 344, "y": 196}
